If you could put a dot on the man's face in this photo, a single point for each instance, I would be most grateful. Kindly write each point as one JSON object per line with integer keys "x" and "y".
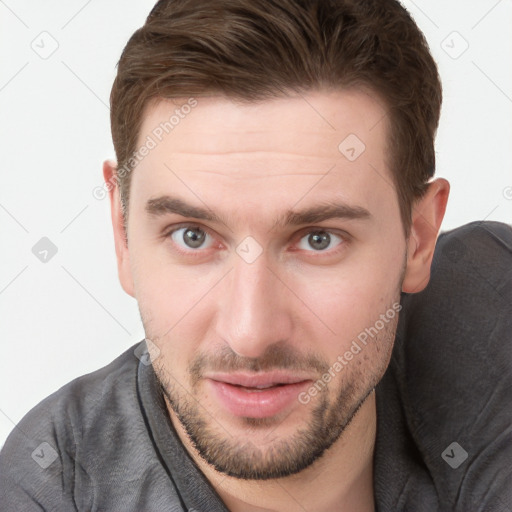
{"x": 301, "y": 254}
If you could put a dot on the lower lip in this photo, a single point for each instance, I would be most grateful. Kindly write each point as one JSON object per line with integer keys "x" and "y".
{"x": 249, "y": 403}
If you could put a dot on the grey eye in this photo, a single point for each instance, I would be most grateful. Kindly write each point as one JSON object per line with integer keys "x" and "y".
{"x": 189, "y": 237}
{"x": 318, "y": 240}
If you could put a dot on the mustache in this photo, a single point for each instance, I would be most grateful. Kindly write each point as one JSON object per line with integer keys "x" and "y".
{"x": 278, "y": 356}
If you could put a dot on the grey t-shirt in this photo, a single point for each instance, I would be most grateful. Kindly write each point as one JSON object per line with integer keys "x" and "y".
{"x": 104, "y": 442}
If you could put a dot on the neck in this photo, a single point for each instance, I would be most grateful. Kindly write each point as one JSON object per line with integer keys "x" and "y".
{"x": 341, "y": 480}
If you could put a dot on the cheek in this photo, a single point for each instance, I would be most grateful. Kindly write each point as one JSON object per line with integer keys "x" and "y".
{"x": 173, "y": 306}
{"x": 163, "y": 289}
{"x": 352, "y": 297}
{"x": 168, "y": 302}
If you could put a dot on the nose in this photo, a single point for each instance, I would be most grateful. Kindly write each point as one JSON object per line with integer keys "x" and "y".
{"x": 253, "y": 309}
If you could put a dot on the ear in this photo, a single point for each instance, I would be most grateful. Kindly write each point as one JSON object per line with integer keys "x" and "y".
{"x": 120, "y": 239}
{"x": 427, "y": 215}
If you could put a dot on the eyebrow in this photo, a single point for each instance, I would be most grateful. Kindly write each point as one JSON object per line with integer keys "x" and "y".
{"x": 331, "y": 210}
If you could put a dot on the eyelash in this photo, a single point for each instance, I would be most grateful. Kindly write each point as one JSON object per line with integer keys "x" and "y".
{"x": 345, "y": 238}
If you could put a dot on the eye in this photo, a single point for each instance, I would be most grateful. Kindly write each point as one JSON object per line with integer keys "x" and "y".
{"x": 191, "y": 237}
{"x": 319, "y": 241}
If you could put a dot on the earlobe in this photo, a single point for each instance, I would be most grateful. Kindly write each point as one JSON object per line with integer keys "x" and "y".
{"x": 427, "y": 216}
{"x": 118, "y": 225}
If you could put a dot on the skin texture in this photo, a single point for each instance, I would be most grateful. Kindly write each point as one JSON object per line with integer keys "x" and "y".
{"x": 297, "y": 306}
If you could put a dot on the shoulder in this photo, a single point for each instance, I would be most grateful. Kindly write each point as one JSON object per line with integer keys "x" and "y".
{"x": 455, "y": 371}
{"x": 44, "y": 458}
{"x": 84, "y": 397}
{"x": 469, "y": 291}
{"x": 484, "y": 249}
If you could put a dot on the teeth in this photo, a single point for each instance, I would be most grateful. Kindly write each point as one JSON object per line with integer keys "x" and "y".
{"x": 256, "y": 390}
{"x": 259, "y": 387}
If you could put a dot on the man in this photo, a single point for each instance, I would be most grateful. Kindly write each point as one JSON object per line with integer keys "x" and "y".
{"x": 273, "y": 198}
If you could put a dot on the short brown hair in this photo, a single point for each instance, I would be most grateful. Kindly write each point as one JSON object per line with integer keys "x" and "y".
{"x": 252, "y": 50}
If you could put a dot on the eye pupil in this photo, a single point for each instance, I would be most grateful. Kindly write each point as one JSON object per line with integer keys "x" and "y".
{"x": 319, "y": 240}
{"x": 194, "y": 237}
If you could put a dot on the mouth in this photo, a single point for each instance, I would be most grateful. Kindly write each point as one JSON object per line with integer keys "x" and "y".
{"x": 257, "y": 395}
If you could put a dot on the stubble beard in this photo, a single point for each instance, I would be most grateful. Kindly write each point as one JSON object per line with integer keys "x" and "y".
{"x": 331, "y": 413}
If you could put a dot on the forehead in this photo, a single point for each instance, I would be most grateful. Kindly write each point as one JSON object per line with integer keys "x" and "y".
{"x": 302, "y": 148}
{"x": 325, "y": 117}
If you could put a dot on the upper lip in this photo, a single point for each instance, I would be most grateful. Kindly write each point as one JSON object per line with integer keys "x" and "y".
{"x": 255, "y": 380}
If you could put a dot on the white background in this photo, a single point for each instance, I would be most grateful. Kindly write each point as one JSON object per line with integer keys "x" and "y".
{"x": 69, "y": 316}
